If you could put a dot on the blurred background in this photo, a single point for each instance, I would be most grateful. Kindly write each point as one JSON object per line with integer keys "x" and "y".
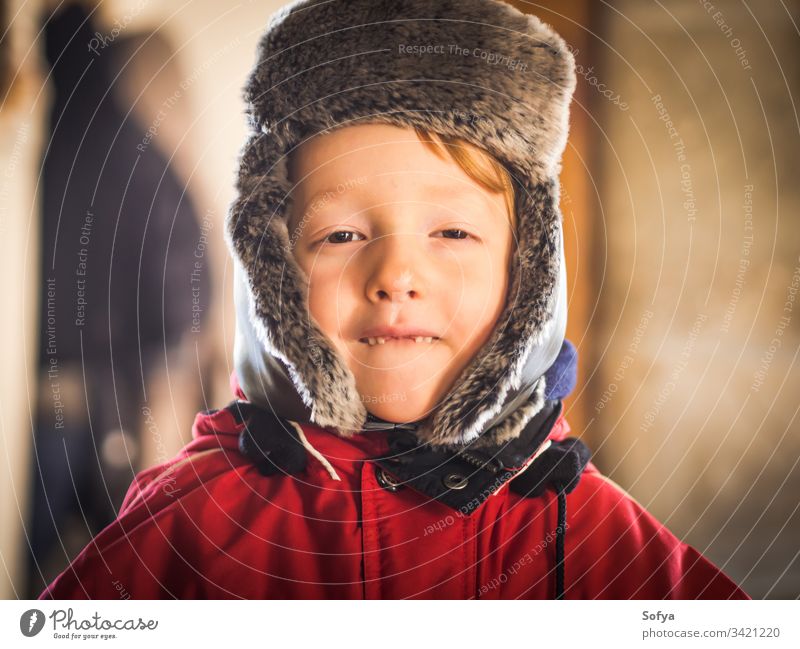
{"x": 120, "y": 125}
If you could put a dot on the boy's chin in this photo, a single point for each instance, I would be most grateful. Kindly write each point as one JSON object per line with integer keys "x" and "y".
{"x": 397, "y": 408}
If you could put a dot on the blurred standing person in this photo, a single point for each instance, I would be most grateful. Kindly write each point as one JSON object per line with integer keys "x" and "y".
{"x": 122, "y": 285}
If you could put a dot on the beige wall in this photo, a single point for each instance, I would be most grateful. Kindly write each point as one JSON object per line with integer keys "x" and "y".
{"x": 694, "y": 283}
{"x": 21, "y": 121}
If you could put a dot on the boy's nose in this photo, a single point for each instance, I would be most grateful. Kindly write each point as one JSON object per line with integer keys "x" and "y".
{"x": 394, "y": 278}
{"x": 396, "y": 286}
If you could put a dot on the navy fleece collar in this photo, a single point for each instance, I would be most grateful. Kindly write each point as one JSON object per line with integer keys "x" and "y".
{"x": 562, "y": 375}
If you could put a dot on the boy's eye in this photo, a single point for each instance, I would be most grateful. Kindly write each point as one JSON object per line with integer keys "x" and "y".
{"x": 340, "y": 236}
{"x": 347, "y": 236}
{"x": 458, "y": 234}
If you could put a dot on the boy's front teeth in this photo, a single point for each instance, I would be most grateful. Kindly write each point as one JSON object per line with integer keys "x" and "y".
{"x": 418, "y": 339}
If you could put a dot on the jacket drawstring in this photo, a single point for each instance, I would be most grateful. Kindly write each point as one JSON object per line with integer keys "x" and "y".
{"x": 559, "y": 467}
{"x": 273, "y": 448}
{"x": 560, "y": 533}
{"x": 323, "y": 460}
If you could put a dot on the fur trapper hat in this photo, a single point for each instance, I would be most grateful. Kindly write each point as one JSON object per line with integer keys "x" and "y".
{"x": 479, "y": 70}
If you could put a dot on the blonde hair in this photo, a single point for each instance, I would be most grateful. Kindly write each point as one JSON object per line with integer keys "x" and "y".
{"x": 480, "y": 165}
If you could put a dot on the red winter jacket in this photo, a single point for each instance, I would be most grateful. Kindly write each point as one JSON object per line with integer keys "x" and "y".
{"x": 207, "y": 524}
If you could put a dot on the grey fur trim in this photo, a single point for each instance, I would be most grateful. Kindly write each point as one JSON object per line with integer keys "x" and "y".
{"x": 326, "y": 64}
{"x": 512, "y": 426}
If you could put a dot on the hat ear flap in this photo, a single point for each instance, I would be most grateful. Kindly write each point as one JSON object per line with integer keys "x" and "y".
{"x": 522, "y": 346}
{"x": 258, "y": 236}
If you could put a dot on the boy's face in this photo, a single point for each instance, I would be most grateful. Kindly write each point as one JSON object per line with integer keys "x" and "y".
{"x": 395, "y": 238}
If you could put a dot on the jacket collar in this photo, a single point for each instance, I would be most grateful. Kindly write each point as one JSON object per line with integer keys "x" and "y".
{"x": 465, "y": 478}
{"x": 462, "y": 477}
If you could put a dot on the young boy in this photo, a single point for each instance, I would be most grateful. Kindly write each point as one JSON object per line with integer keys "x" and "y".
{"x": 400, "y": 360}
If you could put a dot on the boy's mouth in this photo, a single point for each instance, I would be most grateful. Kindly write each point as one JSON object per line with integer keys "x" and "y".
{"x": 381, "y": 340}
{"x": 398, "y": 334}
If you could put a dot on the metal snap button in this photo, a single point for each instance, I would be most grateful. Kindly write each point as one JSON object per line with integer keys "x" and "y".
{"x": 386, "y": 481}
{"x": 455, "y": 481}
